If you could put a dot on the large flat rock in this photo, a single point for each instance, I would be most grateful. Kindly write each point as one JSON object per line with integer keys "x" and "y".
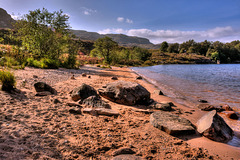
{"x": 212, "y": 126}
{"x": 171, "y": 123}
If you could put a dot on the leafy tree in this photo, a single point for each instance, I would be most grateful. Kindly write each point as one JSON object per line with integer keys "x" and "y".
{"x": 43, "y": 33}
{"x": 104, "y": 47}
{"x": 173, "y": 48}
{"x": 141, "y": 53}
{"x": 164, "y": 46}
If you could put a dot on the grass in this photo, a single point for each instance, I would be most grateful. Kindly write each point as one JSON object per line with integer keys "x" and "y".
{"x": 7, "y": 80}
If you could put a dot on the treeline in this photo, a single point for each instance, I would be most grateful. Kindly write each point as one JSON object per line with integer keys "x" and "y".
{"x": 224, "y": 52}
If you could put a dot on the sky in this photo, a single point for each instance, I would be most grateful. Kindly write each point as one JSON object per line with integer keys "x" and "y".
{"x": 158, "y": 20}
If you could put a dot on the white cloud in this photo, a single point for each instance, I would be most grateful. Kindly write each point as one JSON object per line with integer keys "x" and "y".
{"x": 129, "y": 21}
{"x": 224, "y": 34}
{"x": 120, "y": 19}
{"x": 87, "y": 11}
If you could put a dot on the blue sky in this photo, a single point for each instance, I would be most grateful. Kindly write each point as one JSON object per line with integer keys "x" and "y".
{"x": 157, "y": 20}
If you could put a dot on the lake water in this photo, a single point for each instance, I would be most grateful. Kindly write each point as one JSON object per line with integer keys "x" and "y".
{"x": 217, "y": 83}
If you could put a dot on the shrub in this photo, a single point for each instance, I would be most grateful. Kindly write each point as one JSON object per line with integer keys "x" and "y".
{"x": 8, "y": 80}
{"x": 148, "y": 63}
{"x": 8, "y": 62}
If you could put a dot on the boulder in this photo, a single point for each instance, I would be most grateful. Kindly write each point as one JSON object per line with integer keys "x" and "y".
{"x": 128, "y": 93}
{"x": 42, "y": 87}
{"x": 127, "y": 157}
{"x": 163, "y": 106}
{"x": 214, "y": 127}
{"x": 96, "y": 102}
{"x": 171, "y": 123}
{"x": 83, "y": 92}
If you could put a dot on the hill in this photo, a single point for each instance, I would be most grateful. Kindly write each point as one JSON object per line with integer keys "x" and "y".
{"x": 5, "y": 19}
{"x": 121, "y": 39}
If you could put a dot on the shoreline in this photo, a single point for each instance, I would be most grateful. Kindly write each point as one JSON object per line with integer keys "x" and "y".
{"x": 36, "y": 128}
{"x": 198, "y": 141}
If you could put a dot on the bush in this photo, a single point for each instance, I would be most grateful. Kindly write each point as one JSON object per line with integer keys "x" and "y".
{"x": 148, "y": 63}
{"x": 43, "y": 63}
{"x": 8, "y": 62}
{"x": 8, "y": 80}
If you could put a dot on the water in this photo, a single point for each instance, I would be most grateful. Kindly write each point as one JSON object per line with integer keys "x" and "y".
{"x": 218, "y": 84}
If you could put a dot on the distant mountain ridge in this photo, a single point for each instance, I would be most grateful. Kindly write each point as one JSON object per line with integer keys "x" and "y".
{"x": 121, "y": 39}
{"x": 5, "y": 19}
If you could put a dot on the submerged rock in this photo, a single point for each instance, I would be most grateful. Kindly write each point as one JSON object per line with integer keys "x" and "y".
{"x": 214, "y": 127}
{"x": 171, "y": 123}
{"x": 128, "y": 93}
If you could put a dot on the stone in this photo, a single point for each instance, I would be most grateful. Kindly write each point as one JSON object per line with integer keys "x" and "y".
{"x": 123, "y": 150}
{"x": 212, "y": 126}
{"x": 163, "y": 106}
{"x": 226, "y": 107}
{"x": 127, "y": 157}
{"x": 84, "y": 75}
{"x": 73, "y": 77}
{"x": 158, "y": 92}
{"x": 83, "y": 92}
{"x": 205, "y": 107}
{"x": 89, "y": 76}
{"x": 73, "y": 105}
{"x": 41, "y": 87}
{"x": 96, "y": 102}
{"x": 127, "y": 93}
{"x": 35, "y": 76}
{"x": 106, "y": 112}
{"x": 55, "y": 101}
{"x": 43, "y": 93}
{"x": 171, "y": 123}
{"x": 114, "y": 78}
{"x": 100, "y": 111}
{"x": 139, "y": 77}
{"x": 231, "y": 115}
{"x": 75, "y": 111}
{"x": 202, "y": 101}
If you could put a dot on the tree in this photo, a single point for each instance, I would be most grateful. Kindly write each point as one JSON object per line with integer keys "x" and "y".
{"x": 104, "y": 47}
{"x": 141, "y": 53}
{"x": 164, "y": 46}
{"x": 173, "y": 48}
{"x": 43, "y": 33}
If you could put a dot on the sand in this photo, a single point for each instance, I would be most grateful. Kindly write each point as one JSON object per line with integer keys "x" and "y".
{"x": 35, "y": 127}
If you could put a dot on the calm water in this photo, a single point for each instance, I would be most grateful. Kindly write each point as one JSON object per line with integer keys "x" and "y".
{"x": 218, "y": 84}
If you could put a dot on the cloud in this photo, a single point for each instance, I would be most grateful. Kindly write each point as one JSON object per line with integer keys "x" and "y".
{"x": 87, "y": 11}
{"x": 129, "y": 21}
{"x": 122, "y": 19}
{"x": 224, "y": 34}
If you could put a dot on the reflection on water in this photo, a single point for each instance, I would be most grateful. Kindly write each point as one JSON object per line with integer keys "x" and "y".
{"x": 218, "y": 84}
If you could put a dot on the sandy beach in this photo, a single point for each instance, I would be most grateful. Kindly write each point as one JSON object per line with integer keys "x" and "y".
{"x": 34, "y": 127}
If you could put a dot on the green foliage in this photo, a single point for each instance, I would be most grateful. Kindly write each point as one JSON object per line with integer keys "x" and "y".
{"x": 164, "y": 46}
{"x": 104, "y": 47}
{"x": 43, "y": 33}
{"x": 148, "y": 63}
{"x": 215, "y": 56}
{"x": 173, "y": 48}
{"x": 141, "y": 54}
{"x": 7, "y": 80}
{"x": 44, "y": 63}
{"x": 8, "y": 62}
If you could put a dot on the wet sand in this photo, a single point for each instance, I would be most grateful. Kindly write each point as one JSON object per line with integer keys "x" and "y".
{"x": 39, "y": 128}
